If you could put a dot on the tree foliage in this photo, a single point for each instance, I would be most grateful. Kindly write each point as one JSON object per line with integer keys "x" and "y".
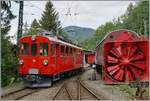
{"x": 34, "y": 28}
{"x": 25, "y": 29}
{"x": 49, "y": 20}
{"x": 136, "y": 19}
{"x": 9, "y": 59}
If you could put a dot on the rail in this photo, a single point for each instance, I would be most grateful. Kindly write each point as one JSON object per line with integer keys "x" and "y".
{"x": 18, "y": 94}
{"x": 87, "y": 89}
{"x": 60, "y": 89}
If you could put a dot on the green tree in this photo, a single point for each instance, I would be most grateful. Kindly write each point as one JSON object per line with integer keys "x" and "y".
{"x": 9, "y": 59}
{"x": 34, "y": 28}
{"x": 25, "y": 30}
{"x": 35, "y": 24}
{"x": 137, "y": 17}
{"x": 49, "y": 20}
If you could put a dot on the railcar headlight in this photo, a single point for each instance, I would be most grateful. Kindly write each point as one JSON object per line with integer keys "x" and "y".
{"x": 45, "y": 62}
{"x": 20, "y": 62}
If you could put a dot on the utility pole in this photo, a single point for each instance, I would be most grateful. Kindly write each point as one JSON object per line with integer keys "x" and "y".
{"x": 20, "y": 21}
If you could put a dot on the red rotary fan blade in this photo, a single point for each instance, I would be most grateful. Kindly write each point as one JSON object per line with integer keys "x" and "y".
{"x": 125, "y": 62}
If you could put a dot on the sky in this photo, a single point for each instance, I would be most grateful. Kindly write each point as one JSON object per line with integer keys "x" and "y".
{"x": 91, "y": 14}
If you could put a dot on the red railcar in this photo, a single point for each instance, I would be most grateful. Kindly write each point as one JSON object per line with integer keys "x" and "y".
{"x": 44, "y": 59}
{"x": 124, "y": 56}
{"x": 90, "y": 57}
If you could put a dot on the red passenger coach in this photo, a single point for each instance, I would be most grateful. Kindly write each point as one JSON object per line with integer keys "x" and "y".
{"x": 45, "y": 59}
{"x": 124, "y": 56}
{"x": 90, "y": 57}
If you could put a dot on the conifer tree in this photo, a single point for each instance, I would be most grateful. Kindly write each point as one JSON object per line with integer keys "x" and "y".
{"x": 34, "y": 28}
{"x": 25, "y": 30}
{"x": 35, "y": 24}
{"x": 49, "y": 20}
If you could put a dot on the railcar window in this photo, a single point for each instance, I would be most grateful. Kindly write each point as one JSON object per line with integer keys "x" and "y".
{"x": 34, "y": 49}
{"x": 53, "y": 49}
{"x": 44, "y": 49}
{"x": 62, "y": 50}
{"x": 70, "y": 51}
{"x": 74, "y": 51}
{"x": 25, "y": 49}
{"x": 67, "y": 51}
{"x": 78, "y": 52}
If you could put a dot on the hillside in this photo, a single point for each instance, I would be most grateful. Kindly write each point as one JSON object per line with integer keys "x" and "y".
{"x": 79, "y": 34}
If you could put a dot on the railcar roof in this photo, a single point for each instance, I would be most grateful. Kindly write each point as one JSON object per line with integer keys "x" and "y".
{"x": 114, "y": 31}
{"x": 55, "y": 39}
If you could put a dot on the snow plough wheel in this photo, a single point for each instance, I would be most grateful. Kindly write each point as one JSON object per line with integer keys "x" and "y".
{"x": 125, "y": 62}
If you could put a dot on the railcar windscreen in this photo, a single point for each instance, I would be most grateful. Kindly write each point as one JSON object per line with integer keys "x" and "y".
{"x": 43, "y": 49}
{"x": 24, "y": 49}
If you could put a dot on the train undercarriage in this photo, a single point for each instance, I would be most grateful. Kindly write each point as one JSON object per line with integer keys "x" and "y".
{"x": 34, "y": 80}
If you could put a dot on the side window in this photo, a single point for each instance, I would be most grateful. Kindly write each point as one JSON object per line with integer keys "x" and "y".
{"x": 78, "y": 52}
{"x": 67, "y": 50}
{"x": 74, "y": 51}
{"x": 70, "y": 51}
{"x": 24, "y": 49}
{"x": 53, "y": 49}
{"x": 62, "y": 50}
{"x": 81, "y": 52}
{"x": 44, "y": 49}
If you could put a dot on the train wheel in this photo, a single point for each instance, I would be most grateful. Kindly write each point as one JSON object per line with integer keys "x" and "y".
{"x": 125, "y": 62}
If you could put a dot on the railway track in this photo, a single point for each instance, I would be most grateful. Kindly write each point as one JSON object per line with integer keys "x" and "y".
{"x": 82, "y": 91}
{"x": 18, "y": 94}
{"x": 85, "y": 93}
{"x": 59, "y": 92}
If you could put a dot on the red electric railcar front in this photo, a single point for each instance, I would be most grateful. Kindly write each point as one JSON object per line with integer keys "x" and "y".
{"x": 45, "y": 59}
{"x": 36, "y": 60}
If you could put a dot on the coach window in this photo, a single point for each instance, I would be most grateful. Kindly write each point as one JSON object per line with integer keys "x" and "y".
{"x": 78, "y": 52}
{"x": 34, "y": 49}
{"x": 67, "y": 50}
{"x": 25, "y": 49}
{"x": 44, "y": 49}
{"x": 62, "y": 50}
{"x": 74, "y": 51}
{"x": 81, "y": 52}
{"x": 53, "y": 51}
{"x": 70, "y": 51}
